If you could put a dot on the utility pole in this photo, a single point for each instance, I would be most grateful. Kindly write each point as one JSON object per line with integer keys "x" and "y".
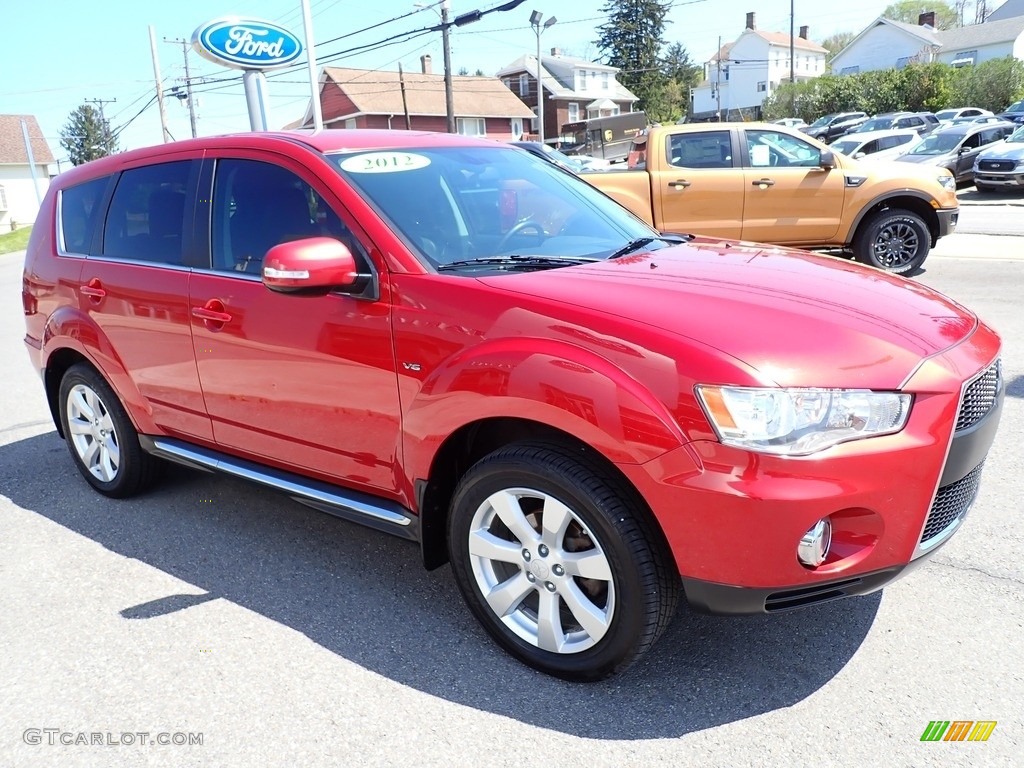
{"x": 314, "y": 83}
{"x": 108, "y": 134}
{"x": 718, "y": 80}
{"x": 188, "y": 83}
{"x": 101, "y": 102}
{"x": 405, "y": 105}
{"x": 159, "y": 86}
{"x": 535, "y": 21}
{"x": 449, "y": 94}
{"x": 792, "y": 63}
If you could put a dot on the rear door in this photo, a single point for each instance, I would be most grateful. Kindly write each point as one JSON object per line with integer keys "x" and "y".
{"x": 700, "y": 186}
{"x": 788, "y": 196}
{"x": 299, "y": 381}
{"x": 135, "y": 288}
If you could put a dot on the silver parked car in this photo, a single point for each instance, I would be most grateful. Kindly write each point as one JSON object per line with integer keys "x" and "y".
{"x": 1001, "y": 165}
{"x": 956, "y": 147}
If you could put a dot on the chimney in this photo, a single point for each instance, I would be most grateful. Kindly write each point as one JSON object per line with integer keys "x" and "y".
{"x": 556, "y": 51}
{"x": 750, "y": 21}
{"x": 425, "y": 66}
{"x": 803, "y": 32}
{"x": 926, "y": 19}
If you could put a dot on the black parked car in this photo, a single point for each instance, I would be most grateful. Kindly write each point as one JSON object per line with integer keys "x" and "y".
{"x": 830, "y": 127}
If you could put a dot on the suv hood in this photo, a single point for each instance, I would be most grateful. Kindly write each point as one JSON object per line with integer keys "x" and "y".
{"x": 800, "y": 319}
{"x": 1005, "y": 151}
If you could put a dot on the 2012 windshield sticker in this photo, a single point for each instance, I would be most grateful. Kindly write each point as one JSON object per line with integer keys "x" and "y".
{"x": 384, "y": 162}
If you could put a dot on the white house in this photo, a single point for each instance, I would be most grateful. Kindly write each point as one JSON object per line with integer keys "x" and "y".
{"x": 19, "y": 193}
{"x": 884, "y": 44}
{"x": 743, "y": 73}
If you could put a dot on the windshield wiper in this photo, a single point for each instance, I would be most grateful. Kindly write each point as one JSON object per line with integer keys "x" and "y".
{"x": 638, "y": 243}
{"x": 517, "y": 260}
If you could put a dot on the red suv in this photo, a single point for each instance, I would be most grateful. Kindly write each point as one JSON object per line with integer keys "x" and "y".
{"x": 453, "y": 341}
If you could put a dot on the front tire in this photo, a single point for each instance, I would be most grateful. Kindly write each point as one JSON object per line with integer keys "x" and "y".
{"x": 558, "y": 563}
{"x": 101, "y": 438}
{"x": 896, "y": 241}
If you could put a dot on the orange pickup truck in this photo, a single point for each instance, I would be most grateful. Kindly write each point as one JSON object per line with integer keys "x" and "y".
{"x": 766, "y": 183}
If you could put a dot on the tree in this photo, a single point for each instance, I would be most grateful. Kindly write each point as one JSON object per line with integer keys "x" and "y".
{"x": 835, "y": 43}
{"x": 87, "y": 136}
{"x": 631, "y": 39}
{"x": 671, "y": 100}
{"x": 908, "y": 11}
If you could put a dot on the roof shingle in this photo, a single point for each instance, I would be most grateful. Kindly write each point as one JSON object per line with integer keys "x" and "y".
{"x": 12, "y": 141}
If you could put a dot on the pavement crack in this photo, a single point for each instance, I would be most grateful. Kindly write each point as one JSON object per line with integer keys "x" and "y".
{"x": 959, "y": 567}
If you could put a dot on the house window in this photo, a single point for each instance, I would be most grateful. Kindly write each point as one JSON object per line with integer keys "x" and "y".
{"x": 350, "y": 123}
{"x": 964, "y": 59}
{"x": 508, "y": 82}
{"x": 524, "y": 84}
{"x": 605, "y": 81}
{"x": 581, "y": 80}
{"x": 471, "y": 126}
{"x": 903, "y": 61}
{"x": 574, "y": 111}
{"x": 3, "y": 199}
{"x": 762, "y": 87}
{"x": 615, "y": 110}
{"x": 849, "y": 70}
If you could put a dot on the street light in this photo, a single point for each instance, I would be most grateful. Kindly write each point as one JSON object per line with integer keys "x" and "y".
{"x": 535, "y": 21}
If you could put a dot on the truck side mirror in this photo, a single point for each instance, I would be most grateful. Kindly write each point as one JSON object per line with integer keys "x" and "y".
{"x": 827, "y": 160}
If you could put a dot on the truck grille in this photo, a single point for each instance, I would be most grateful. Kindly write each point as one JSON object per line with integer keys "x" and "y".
{"x": 980, "y": 396}
{"x": 996, "y": 165}
{"x": 951, "y": 504}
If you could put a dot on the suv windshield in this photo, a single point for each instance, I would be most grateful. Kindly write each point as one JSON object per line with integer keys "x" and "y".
{"x": 1017, "y": 106}
{"x": 877, "y": 124}
{"x": 845, "y": 147}
{"x": 457, "y": 204}
{"x": 938, "y": 144}
{"x": 822, "y": 121}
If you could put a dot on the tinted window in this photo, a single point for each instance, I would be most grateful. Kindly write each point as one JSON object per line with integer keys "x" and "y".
{"x": 768, "y": 148}
{"x": 701, "y": 150}
{"x": 259, "y": 205}
{"x": 79, "y": 215}
{"x": 146, "y": 217}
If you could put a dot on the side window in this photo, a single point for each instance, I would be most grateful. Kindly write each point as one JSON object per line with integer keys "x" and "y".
{"x": 972, "y": 142}
{"x": 79, "y": 214}
{"x": 871, "y": 147}
{"x": 768, "y": 148}
{"x": 712, "y": 149}
{"x": 146, "y": 217}
{"x": 887, "y": 142}
{"x": 258, "y": 205}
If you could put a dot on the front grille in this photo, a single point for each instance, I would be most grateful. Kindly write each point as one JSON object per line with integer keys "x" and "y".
{"x": 996, "y": 165}
{"x": 951, "y": 503}
{"x": 980, "y": 396}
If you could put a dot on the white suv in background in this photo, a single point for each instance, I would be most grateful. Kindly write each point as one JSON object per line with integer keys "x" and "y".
{"x": 877, "y": 145}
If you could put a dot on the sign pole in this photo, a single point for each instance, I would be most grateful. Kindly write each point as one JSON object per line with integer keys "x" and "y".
{"x": 255, "y": 84}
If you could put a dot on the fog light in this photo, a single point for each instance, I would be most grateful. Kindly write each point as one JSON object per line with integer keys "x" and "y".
{"x": 813, "y": 547}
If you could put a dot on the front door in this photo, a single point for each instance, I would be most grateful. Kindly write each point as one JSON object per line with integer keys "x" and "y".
{"x": 788, "y": 196}
{"x": 700, "y": 189}
{"x": 299, "y": 381}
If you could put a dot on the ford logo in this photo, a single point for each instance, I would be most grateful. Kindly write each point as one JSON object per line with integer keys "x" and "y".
{"x": 246, "y": 43}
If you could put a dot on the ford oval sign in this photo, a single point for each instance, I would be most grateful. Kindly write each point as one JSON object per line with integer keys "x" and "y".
{"x": 246, "y": 43}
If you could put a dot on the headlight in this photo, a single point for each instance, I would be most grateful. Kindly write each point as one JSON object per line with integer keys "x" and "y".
{"x": 796, "y": 422}
{"x": 947, "y": 182}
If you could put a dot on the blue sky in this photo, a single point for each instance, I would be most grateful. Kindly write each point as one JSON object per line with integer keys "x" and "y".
{"x": 58, "y": 53}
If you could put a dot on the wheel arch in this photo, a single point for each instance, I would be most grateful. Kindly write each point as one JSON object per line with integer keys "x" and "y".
{"x": 910, "y": 200}
{"x": 470, "y": 443}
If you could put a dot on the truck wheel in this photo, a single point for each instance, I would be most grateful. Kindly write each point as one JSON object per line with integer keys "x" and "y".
{"x": 558, "y": 563}
{"x": 895, "y": 240}
{"x": 103, "y": 442}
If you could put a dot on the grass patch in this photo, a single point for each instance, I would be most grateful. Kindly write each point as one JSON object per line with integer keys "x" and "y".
{"x": 15, "y": 241}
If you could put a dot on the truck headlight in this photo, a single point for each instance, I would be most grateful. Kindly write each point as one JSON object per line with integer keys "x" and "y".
{"x": 797, "y": 422}
{"x": 946, "y": 181}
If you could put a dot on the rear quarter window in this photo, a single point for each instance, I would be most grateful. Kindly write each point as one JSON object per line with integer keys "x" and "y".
{"x": 146, "y": 217}
{"x": 79, "y": 213}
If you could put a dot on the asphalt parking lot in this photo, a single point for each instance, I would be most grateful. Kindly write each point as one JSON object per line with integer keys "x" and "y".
{"x": 287, "y": 638}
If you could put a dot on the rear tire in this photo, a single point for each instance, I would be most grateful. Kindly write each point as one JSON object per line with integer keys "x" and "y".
{"x": 558, "y": 562}
{"x": 895, "y": 240}
{"x": 101, "y": 438}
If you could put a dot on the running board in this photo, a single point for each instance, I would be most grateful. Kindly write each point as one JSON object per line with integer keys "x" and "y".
{"x": 361, "y": 508}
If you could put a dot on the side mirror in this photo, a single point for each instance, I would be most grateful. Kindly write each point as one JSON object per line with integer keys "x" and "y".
{"x": 859, "y": 155}
{"x": 828, "y": 159}
{"x": 315, "y": 263}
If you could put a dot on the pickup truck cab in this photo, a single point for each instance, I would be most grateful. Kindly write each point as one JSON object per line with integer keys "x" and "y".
{"x": 767, "y": 183}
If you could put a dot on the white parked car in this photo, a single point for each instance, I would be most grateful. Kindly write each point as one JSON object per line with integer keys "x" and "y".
{"x": 947, "y": 116}
{"x": 790, "y": 122}
{"x": 877, "y": 145}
